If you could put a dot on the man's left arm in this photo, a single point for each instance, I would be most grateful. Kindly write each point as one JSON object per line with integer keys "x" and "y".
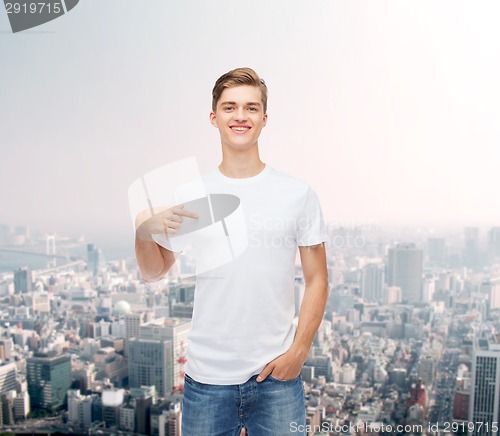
{"x": 288, "y": 365}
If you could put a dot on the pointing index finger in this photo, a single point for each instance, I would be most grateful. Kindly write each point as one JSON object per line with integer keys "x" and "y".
{"x": 179, "y": 210}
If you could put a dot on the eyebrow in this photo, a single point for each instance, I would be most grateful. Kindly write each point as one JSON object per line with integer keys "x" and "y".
{"x": 251, "y": 103}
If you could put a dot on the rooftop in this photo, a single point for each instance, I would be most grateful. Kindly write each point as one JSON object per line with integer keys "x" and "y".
{"x": 168, "y": 322}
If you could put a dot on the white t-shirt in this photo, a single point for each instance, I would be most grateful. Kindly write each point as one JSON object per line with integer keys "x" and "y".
{"x": 244, "y": 310}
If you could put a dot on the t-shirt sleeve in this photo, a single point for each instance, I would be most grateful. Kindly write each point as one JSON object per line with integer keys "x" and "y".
{"x": 311, "y": 228}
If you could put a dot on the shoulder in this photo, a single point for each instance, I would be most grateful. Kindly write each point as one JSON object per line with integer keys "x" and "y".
{"x": 290, "y": 182}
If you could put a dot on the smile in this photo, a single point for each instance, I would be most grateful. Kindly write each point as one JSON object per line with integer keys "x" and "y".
{"x": 240, "y": 129}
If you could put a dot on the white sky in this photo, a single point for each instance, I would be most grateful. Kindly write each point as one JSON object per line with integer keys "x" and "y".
{"x": 390, "y": 109}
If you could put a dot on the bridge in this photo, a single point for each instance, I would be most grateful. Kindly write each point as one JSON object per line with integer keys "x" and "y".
{"x": 35, "y": 253}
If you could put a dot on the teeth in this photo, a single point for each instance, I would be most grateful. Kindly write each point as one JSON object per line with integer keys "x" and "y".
{"x": 240, "y": 129}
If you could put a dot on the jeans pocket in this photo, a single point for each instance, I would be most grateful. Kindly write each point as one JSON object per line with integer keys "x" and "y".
{"x": 283, "y": 381}
{"x": 188, "y": 379}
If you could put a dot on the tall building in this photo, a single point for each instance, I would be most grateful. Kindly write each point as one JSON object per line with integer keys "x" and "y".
{"x": 404, "y": 269}
{"x": 94, "y": 258}
{"x": 485, "y": 392}
{"x": 22, "y": 405}
{"x": 186, "y": 291}
{"x": 494, "y": 243}
{"x": 461, "y": 401}
{"x": 110, "y": 364}
{"x": 170, "y": 409}
{"x": 127, "y": 416}
{"x": 7, "y": 407}
{"x": 155, "y": 411}
{"x": 427, "y": 369}
{"x": 471, "y": 247}
{"x": 112, "y": 400}
{"x": 175, "y": 330}
{"x": 133, "y": 321}
{"x": 49, "y": 378}
{"x": 79, "y": 408}
{"x": 23, "y": 280}
{"x": 418, "y": 395}
{"x": 436, "y": 250}
{"x": 372, "y": 282}
{"x": 341, "y": 300}
{"x": 182, "y": 310}
{"x": 6, "y": 346}
{"x": 169, "y": 422}
{"x": 41, "y": 302}
{"x": 150, "y": 363}
{"x": 428, "y": 288}
{"x": 392, "y": 295}
{"x": 143, "y": 414}
{"x": 322, "y": 366}
{"x": 7, "y": 377}
{"x": 84, "y": 374}
{"x": 491, "y": 293}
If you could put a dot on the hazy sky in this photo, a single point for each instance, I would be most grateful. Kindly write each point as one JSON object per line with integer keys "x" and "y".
{"x": 390, "y": 109}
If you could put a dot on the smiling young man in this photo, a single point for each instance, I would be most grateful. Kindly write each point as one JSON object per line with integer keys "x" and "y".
{"x": 245, "y": 352}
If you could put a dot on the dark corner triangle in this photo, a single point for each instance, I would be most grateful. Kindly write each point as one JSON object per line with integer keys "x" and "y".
{"x": 70, "y": 4}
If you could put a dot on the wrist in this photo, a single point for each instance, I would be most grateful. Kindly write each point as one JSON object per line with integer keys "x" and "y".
{"x": 300, "y": 351}
{"x": 143, "y": 235}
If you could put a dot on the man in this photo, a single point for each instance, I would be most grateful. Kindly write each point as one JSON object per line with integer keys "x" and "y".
{"x": 245, "y": 353}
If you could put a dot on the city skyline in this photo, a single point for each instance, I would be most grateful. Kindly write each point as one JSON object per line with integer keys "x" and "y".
{"x": 397, "y": 346}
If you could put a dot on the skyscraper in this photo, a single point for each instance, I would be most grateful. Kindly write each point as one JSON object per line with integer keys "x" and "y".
{"x": 112, "y": 400}
{"x": 372, "y": 282}
{"x": 94, "y": 258}
{"x": 169, "y": 422}
{"x": 471, "y": 247}
{"x": 8, "y": 377}
{"x": 404, "y": 269}
{"x": 436, "y": 249}
{"x": 79, "y": 408}
{"x": 150, "y": 364}
{"x": 49, "y": 378}
{"x": 491, "y": 293}
{"x": 175, "y": 330}
{"x": 485, "y": 393}
{"x": 133, "y": 321}
{"x": 143, "y": 414}
{"x": 23, "y": 280}
{"x": 494, "y": 243}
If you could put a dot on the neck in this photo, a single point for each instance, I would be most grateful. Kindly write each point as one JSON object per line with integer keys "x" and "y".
{"x": 241, "y": 165}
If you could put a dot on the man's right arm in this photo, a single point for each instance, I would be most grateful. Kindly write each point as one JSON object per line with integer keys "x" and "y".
{"x": 154, "y": 260}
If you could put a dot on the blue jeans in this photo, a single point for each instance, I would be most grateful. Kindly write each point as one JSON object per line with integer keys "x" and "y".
{"x": 269, "y": 408}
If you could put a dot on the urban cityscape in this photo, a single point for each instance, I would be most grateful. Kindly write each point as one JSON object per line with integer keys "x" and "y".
{"x": 409, "y": 343}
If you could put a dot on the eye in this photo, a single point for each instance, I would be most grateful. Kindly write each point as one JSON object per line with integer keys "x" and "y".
{"x": 228, "y": 108}
{"x": 252, "y": 109}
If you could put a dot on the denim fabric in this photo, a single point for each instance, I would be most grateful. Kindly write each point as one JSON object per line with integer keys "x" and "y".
{"x": 270, "y": 408}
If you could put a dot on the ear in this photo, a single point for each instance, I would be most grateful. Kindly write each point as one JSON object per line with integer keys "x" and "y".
{"x": 213, "y": 119}
{"x": 264, "y": 120}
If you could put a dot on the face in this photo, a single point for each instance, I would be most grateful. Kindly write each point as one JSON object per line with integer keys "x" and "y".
{"x": 240, "y": 117}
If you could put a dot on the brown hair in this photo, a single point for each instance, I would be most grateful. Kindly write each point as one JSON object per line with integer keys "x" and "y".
{"x": 239, "y": 77}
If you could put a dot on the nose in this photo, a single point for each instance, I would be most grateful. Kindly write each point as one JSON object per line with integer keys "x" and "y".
{"x": 240, "y": 114}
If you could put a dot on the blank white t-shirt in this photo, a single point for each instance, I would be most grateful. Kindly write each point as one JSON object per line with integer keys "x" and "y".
{"x": 244, "y": 310}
